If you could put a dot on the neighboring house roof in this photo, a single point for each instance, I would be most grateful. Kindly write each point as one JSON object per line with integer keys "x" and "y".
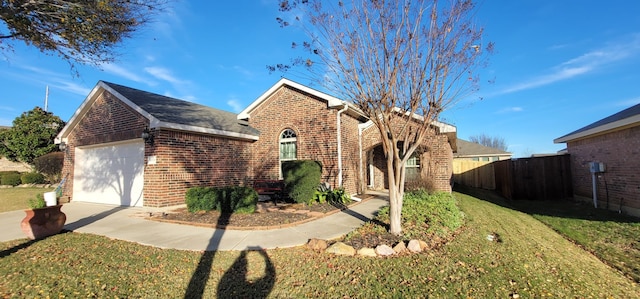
{"x": 166, "y": 112}
{"x": 629, "y": 117}
{"x": 468, "y": 149}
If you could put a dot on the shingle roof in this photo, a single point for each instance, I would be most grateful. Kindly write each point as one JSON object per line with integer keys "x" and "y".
{"x": 623, "y": 118}
{"x": 472, "y": 149}
{"x": 174, "y": 111}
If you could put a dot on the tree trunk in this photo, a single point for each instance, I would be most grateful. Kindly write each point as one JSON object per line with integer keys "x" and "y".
{"x": 396, "y": 195}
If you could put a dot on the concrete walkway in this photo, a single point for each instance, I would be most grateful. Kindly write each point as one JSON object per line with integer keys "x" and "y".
{"x": 129, "y": 224}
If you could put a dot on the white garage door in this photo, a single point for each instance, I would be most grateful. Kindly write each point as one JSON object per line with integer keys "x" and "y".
{"x": 110, "y": 173}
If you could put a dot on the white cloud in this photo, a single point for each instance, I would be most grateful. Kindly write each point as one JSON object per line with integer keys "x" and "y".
{"x": 235, "y": 105}
{"x": 583, "y": 64}
{"x": 511, "y": 109}
{"x": 559, "y": 75}
{"x": 163, "y": 74}
{"x": 124, "y": 73}
{"x": 72, "y": 87}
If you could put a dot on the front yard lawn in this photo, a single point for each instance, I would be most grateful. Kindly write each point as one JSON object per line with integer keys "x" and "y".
{"x": 17, "y": 198}
{"x": 499, "y": 253}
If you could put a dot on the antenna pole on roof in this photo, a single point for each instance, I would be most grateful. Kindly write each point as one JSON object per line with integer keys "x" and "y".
{"x": 46, "y": 99}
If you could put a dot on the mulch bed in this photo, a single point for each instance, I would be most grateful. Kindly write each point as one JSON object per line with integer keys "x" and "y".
{"x": 267, "y": 216}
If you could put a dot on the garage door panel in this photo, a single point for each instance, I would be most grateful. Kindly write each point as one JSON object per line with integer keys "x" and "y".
{"x": 111, "y": 174}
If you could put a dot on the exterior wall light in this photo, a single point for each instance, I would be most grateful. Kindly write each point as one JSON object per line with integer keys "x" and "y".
{"x": 147, "y": 136}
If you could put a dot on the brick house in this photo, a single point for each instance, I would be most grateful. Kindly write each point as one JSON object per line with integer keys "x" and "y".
{"x": 614, "y": 143}
{"x": 187, "y": 145}
{"x": 472, "y": 151}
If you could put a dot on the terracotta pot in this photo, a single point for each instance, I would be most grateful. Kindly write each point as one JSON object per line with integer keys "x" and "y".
{"x": 44, "y": 222}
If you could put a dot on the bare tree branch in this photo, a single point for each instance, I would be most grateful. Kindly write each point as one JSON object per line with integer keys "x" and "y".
{"x": 400, "y": 62}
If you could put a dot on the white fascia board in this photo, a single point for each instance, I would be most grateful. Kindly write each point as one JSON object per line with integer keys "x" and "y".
{"x": 629, "y": 121}
{"x": 365, "y": 125}
{"x": 216, "y": 132}
{"x": 332, "y": 101}
{"x": 444, "y": 128}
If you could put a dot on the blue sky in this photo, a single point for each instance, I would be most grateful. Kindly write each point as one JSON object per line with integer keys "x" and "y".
{"x": 558, "y": 66}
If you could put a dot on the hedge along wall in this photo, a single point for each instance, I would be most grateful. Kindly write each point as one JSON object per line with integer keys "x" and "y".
{"x": 185, "y": 160}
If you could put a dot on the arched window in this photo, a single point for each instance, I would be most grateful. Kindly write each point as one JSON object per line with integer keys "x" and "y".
{"x": 288, "y": 147}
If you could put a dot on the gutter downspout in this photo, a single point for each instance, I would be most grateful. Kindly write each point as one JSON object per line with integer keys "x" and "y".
{"x": 360, "y": 170}
{"x": 340, "y": 143}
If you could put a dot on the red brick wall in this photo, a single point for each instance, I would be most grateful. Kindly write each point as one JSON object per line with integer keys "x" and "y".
{"x": 185, "y": 160}
{"x": 106, "y": 120}
{"x": 620, "y": 152}
{"x": 316, "y": 128}
{"x": 436, "y": 162}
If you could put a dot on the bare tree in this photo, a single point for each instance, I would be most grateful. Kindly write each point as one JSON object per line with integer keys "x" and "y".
{"x": 79, "y": 31}
{"x": 486, "y": 140}
{"x": 401, "y": 62}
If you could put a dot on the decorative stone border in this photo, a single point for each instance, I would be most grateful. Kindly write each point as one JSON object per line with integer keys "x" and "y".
{"x": 340, "y": 248}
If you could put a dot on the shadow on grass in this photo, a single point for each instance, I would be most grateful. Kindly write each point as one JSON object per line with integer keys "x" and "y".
{"x": 14, "y": 249}
{"x": 562, "y": 208}
{"x": 235, "y": 283}
{"x": 234, "y": 280}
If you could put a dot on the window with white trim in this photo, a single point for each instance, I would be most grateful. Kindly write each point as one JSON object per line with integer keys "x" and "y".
{"x": 412, "y": 169}
{"x": 288, "y": 147}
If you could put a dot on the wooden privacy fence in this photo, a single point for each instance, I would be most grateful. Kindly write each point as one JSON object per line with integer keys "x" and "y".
{"x": 477, "y": 174}
{"x": 537, "y": 178}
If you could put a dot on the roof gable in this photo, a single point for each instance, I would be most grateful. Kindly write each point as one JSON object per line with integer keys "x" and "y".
{"x": 166, "y": 112}
{"x": 623, "y": 119}
{"x": 332, "y": 102}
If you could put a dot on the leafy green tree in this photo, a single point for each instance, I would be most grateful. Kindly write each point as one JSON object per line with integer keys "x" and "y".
{"x": 82, "y": 31}
{"x": 31, "y": 136}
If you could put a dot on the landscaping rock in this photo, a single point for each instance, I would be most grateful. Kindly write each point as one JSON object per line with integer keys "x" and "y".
{"x": 414, "y": 246}
{"x": 423, "y": 245}
{"x": 384, "y": 250}
{"x": 317, "y": 244}
{"x": 365, "y": 251}
{"x": 400, "y": 247}
{"x": 340, "y": 248}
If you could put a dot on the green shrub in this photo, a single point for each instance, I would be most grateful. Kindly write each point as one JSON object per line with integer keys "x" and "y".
{"x": 427, "y": 214}
{"x": 201, "y": 199}
{"x": 32, "y": 178}
{"x": 225, "y": 199}
{"x": 301, "y": 179}
{"x": 338, "y": 196}
{"x": 38, "y": 202}
{"x": 10, "y": 179}
{"x": 50, "y": 165}
{"x": 421, "y": 184}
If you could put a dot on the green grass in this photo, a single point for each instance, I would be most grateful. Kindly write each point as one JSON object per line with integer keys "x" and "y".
{"x": 612, "y": 237}
{"x": 12, "y": 199}
{"x": 527, "y": 258}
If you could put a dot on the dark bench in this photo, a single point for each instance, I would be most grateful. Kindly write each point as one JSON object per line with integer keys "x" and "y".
{"x": 274, "y": 189}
